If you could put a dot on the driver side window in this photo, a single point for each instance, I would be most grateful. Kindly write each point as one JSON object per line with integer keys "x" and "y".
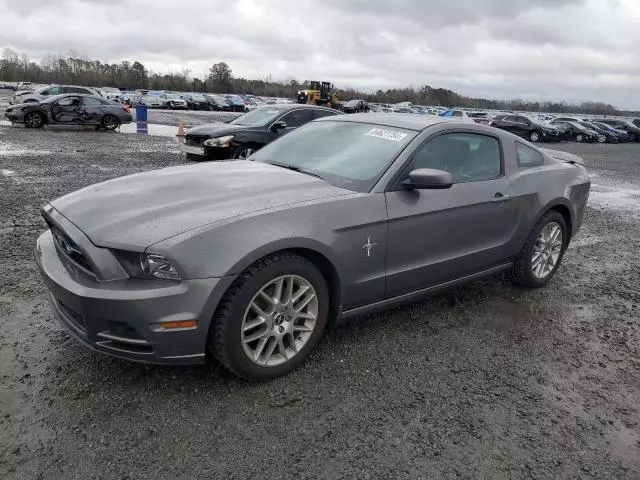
{"x": 297, "y": 118}
{"x": 469, "y": 157}
{"x": 68, "y": 101}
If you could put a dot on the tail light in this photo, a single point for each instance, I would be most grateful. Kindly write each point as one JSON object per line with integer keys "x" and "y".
{"x": 125, "y": 108}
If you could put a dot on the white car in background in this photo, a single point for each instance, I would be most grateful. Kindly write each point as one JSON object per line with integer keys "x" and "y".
{"x": 172, "y": 101}
{"x": 111, "y": 93}
{"x": 459, "y": 115}
{"x": 153, "y": 101}
{"x": 43, "y": 93}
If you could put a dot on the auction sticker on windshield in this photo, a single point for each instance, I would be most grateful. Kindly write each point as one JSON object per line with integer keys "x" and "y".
{"x": 386, "y": 134}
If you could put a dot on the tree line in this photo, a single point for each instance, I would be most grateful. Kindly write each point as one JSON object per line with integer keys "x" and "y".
{"x": 77, "y": 69}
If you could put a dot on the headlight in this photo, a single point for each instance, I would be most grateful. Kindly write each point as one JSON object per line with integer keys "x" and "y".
{"x": 157, "y": 266}
{"x": 147, "y": 265}
{"x": 219, "y": 141}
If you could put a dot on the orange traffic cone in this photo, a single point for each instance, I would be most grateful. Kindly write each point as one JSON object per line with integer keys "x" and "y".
{"x": 180, "y": 129}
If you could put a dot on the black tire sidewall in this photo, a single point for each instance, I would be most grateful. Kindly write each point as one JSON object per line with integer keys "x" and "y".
{"x": 535, "y": 132}
{"x": 235, "y": 354}
{"x": 523, "y": 270}
{"x": 104, "y": 125}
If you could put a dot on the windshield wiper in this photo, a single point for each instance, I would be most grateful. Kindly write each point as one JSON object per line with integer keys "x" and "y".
{"x": 295, "y": 169}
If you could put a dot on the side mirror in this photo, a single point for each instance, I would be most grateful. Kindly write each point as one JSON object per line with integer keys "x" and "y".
{"x": 278, "y": 126}
{"x": 428, "y": 178}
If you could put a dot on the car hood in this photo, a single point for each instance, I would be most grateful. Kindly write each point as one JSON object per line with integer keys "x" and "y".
{"x": 22, "y": 105}
{"x": 137, "y": 211}
{"x": 216, "y": 129}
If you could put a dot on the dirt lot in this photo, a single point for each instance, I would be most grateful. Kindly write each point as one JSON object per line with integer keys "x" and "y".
{"x": 486, "y": 381}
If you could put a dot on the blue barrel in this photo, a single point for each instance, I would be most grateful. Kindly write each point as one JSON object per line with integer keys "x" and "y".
{"x": 141, "y": 119}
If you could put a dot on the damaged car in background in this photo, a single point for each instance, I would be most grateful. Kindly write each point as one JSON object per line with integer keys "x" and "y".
{"x": 71, "y": 109}
{"x": 249, "y": 261}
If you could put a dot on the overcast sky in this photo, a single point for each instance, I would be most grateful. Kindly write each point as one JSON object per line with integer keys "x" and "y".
{"x": 577, "y": 50}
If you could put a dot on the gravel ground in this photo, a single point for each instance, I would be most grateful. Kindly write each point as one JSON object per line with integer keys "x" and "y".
{"x": 484, "y": 381}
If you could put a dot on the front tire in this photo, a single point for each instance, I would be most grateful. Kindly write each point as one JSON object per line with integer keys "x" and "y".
{"x": 33, "y": 120}
{"x": 579, "y": 138}
{"x": 534, "y": 136}
{"x": 271, "y": 318}
{"x": 541, "y": 255}
{"x": 243, "y": 152}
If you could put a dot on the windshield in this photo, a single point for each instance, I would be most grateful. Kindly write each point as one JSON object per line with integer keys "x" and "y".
{"x": 173, "y": 96}
{"x": 258, "y": 117}
{"x": 198, "y": 97}
{"x": 52, "y": 99}
{"x": 345, "y": 154}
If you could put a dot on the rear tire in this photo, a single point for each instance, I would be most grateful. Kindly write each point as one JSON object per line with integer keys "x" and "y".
{"x": 523, "y": 272}
{"x": 580, "y": 138}
{"x": 230, "y": 325}
{"x": 33, "y": 120}
{"x": 110, "y": 122}
{"x": 534, "y": 136}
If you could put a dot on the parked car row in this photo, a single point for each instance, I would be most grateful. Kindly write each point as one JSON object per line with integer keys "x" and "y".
{"x": 198, "y": 101}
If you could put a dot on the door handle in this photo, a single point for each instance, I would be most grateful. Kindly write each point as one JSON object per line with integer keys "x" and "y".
{"x": 499, "y": 197}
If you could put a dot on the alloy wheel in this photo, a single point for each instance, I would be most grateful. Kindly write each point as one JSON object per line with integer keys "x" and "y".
{"x": 547, "y": 250}
{"x": 279, "y": 320}
{"x": 33, "y": 120}
{"x": 602, "y": 138}
{"x": 579, "y": 138}
{"x": 534, "y": 136}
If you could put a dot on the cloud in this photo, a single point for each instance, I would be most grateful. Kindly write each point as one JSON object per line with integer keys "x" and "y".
{"x": 546, "y": 49}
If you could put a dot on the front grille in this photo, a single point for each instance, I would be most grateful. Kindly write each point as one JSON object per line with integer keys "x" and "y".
{"x": 69, "y": 248}
{"x": 195, "y": 140}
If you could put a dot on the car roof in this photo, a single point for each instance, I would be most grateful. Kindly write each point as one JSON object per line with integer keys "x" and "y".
{"x": 408, "y": 121}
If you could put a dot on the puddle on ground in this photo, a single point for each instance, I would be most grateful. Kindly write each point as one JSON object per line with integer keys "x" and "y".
{"x": 7, "y": 149}
{"x": 153, "y": 129}
{"x": 614, "y": 198}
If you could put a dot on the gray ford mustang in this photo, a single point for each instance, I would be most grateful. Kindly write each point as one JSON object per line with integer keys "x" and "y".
{"x": 248, "y": 261}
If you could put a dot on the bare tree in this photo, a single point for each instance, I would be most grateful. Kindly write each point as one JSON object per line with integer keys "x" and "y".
{"x": 220, "y": 76}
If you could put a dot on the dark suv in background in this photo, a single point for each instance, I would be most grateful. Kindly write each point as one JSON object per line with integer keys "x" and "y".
{"x": 525, "y": 127}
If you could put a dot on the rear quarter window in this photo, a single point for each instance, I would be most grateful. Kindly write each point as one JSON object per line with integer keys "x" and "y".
{"x": 527, "y": 156}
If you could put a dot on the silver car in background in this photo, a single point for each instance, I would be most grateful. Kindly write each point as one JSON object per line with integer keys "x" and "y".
{"x": 248, "y": 261}
{"x": 45, "y": 92}
{"x": 173, "y": 101}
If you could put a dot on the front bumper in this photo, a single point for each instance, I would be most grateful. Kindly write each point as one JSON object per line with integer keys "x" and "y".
{"x": 121, "y": 317}
{"x": 194, "y": 150}
{"x": 13, "y": 118}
